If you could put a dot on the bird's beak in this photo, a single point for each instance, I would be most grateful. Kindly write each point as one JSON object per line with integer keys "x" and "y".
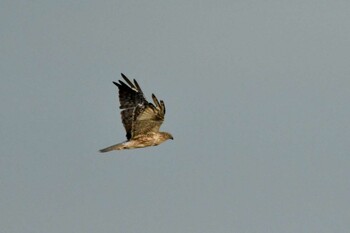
{"x": 172, "y": 138}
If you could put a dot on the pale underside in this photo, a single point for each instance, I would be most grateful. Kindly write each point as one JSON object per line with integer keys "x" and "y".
{"x": 145, "y": 140}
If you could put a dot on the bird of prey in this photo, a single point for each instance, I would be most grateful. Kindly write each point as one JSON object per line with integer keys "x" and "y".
{"x": 140, "y": 118}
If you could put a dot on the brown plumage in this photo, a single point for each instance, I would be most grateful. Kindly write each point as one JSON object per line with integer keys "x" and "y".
{"x": 140, "y": 118}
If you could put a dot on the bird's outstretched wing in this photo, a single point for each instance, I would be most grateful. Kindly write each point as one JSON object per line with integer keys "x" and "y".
{"x": 148, "y": 118}
{"x": 138, "y": 115}
{"x": 130, "y": 96}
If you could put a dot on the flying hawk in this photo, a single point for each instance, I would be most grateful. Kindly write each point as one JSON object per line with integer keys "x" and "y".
{"x": 140, "y": 118}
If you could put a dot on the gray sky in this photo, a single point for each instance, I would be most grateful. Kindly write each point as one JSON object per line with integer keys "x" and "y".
{"x": 257, "y": 96}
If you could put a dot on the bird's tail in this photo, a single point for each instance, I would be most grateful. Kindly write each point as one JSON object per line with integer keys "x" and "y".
{"x": 119, "y": 146}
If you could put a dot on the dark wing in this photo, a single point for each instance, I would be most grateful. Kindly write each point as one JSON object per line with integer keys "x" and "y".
{"x": 148, "y": 118}
{"x": 130, "y": 98}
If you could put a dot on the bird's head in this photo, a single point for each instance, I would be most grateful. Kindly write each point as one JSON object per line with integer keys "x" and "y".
{"x": 167, "y": 136}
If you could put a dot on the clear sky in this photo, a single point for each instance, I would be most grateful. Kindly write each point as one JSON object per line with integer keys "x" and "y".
{"x": 257, "y": 96}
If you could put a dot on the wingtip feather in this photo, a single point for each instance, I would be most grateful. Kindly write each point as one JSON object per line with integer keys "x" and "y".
{"x": 117, "y": 84}
{"x": 155, "y": 100}
{"x": 127, "y": 80}
{"x": 162, "y": 106}
{"x": 137, "y": 86}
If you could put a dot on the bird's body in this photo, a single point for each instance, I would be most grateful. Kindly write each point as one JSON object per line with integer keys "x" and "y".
{"x": 140, "y": 118}
{"x": 150, "y": 139}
